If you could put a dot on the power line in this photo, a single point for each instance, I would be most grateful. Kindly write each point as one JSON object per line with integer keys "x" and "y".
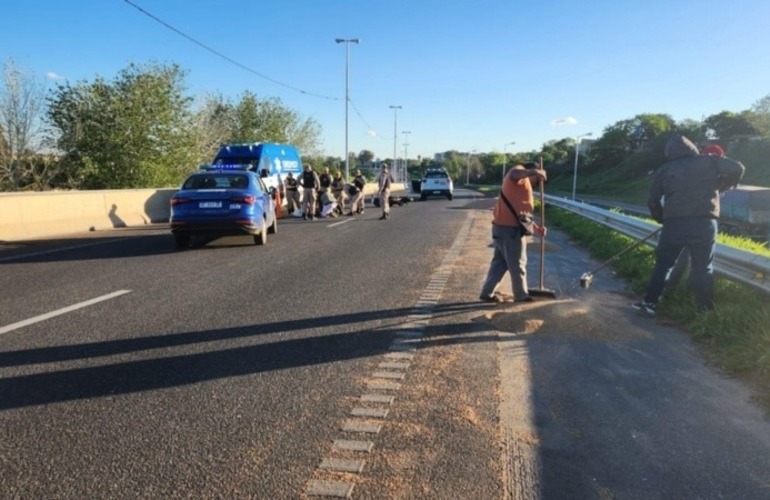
{"x": 219, "y": 54}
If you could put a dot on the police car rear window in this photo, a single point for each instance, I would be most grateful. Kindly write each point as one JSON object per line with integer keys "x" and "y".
{"x": 436, "y": 175}
{"x": 217, "y": 181}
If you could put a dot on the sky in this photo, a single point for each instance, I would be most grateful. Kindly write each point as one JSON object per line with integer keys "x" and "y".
{"x": 467, "y": 75}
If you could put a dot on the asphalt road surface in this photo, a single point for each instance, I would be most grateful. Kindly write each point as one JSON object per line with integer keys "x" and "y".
{"x": 350, "y": 357}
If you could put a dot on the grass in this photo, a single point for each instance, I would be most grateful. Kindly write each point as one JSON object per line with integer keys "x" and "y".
{"x": 735, "y": 335}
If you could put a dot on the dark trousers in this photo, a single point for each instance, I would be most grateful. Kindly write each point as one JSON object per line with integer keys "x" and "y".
{"x": 698, "y": 236}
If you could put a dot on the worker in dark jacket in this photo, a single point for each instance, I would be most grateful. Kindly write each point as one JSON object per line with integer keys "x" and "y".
{"x": 684, "y": 197}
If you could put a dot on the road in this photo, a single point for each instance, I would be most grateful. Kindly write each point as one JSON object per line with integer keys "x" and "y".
{"x": 350, "y": 357}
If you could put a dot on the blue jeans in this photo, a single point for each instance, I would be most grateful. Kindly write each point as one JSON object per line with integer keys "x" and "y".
{"x": 510, "y": 255}
{"x": 698, "y": 235}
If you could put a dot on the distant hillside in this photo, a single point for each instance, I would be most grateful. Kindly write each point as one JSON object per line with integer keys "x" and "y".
{"x": 630, "y": 180}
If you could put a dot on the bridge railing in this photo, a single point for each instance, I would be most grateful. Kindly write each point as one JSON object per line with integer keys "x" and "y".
{"x": 740, "y": 265}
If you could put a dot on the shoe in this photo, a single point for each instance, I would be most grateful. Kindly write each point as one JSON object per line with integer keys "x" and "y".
{"x": 304, "y": 217}
{"x": 493, "y": 299}
{"x": 349, "y": 214}
{"x": 643, "y": 306}
{"x": 383, "y": 217}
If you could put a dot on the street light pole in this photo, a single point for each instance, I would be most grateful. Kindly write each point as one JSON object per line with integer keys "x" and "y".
{"x": 468, "y": 170}
{"x": 577, "y": 154}
{"x": 347, "y": 42}
{"x": 406, "y": 155}
{"x": 505, "y": 157}
{"x": 395, "y": 133}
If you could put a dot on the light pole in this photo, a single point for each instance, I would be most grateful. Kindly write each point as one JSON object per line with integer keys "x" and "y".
{"x": 505, "y": 156}
{"x": 406, "y": 155}
{"x": 395, "y": 132}
{"x": 347, "y": 42}
{"x": 468, "y": 170}
{"x": 577, "y": 154}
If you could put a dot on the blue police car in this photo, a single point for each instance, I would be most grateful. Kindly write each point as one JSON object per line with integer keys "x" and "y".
{"x": 222, "y": 200}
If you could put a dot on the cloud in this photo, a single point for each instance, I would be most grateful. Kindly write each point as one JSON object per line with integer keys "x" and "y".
{"x": 372, "y": 133}
{"x": 564, "y": 121}
{"x": 53, "y": 76}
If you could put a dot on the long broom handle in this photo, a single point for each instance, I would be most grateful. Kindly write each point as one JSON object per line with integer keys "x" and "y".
{"x": 628, "y": 248}
{"x": 542, "y": 223}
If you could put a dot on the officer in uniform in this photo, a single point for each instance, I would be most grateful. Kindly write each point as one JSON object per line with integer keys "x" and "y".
{"x": 310, "y": 184}
{"x": 384, "y": 180}
{"x": 357, "y": 193}
{"x": 292, "y": 193}
{"x": 338, "y": 190}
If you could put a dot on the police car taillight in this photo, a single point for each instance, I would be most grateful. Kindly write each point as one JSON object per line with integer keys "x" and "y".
{"x": 178, "y": 201}
{"x": 247, "y": 200}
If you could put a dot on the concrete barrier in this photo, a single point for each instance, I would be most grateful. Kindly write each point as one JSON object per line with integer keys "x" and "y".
{"x": 38, "y": 215}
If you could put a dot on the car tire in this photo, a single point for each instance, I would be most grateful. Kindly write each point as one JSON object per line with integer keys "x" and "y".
{"x": 182, "y": 241}
{"x": 273, "y": 227}
{"x": 423, "y": 197}
{"x": 449, "y": 196}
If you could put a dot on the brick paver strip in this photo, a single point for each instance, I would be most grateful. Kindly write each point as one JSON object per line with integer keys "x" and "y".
{"x": 335, "y": 489}
{"x": 353, "y": 445}
{"x": 342, "y": 465}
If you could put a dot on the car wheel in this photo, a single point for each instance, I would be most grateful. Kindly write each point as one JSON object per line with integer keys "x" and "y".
{"x": 182, "y": 241}
{"x": 423, "y": 197}
{"x": 449, "y": 196}
{"x": 273, "y": 227}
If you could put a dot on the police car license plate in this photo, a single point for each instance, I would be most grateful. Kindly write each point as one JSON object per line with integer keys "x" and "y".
{"x": 210, "y": 204}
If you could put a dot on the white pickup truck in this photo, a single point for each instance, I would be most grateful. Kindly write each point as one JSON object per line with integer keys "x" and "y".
{"x": 436, "y": 182}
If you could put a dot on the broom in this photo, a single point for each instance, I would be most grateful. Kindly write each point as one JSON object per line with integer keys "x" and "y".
{"x": 542, "y": 291}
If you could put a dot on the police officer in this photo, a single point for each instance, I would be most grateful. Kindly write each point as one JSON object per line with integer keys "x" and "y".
{"x": 292, "y": 193}
{"x": 310, "y": 184}
{"x": 384, "y": 180}
{"x": 357, "y": 193}
{"x": 338, "y": 190}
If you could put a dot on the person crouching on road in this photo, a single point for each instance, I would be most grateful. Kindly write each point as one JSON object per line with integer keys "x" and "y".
{"x": 292, "y": 193}
{"x": 338, "y": 190}
{"x": 357, "y": 193}
{"x": 384, "y": 181}
{"x": 310, "y": 184}
{"x": 510, "y": 252}
{"x": 328, "y": 204}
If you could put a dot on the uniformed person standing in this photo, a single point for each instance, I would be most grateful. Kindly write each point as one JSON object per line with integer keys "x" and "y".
{"x": 310, "y": 184}
{"x": 384, "y": 180}
{"x": 292, "y": 193}
{"x": 338, "y": 190}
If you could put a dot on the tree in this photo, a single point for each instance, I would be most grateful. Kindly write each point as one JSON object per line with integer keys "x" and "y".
{"x": 130, "y": 133}
{"x": 21, "y": 104}
{"x": 760, "y": 116}
{"x": 365, "y": 157}
{"x": 269, "y": 120}
{"x": 728, "y": 126}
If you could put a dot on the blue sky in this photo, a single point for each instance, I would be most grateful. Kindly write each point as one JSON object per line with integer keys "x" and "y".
{"x": 468, "y": 75}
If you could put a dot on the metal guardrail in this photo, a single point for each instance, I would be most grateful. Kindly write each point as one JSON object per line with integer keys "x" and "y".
{"x": 739, "y": 265}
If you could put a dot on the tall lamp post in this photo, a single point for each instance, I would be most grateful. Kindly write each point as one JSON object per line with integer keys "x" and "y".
{"x": 347, "y": 42}
{"x": 406, "y": 155}
{"x": 505, "y": 156}
{"x": 468, "y": 170}
{"x": 395, "y": 133}
{"x": 577, "y": 155}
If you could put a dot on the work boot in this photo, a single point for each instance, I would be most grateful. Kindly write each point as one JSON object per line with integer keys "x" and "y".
{"x": 384, "y": 216}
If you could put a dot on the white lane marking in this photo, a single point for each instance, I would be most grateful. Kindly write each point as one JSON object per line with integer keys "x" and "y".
{"x": 58, "y": 312}
{"x": 340, "y": 222}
